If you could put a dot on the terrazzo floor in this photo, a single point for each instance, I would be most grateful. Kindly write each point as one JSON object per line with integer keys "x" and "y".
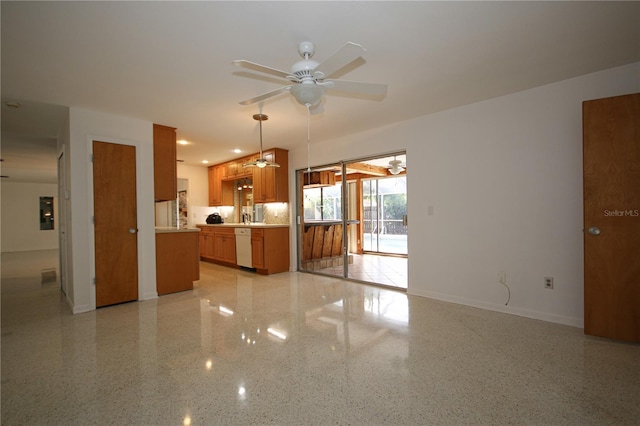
{"x": 296, "y": 349}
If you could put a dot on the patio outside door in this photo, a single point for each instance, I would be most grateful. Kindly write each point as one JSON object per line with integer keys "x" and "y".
{"x": 385, "y": 213}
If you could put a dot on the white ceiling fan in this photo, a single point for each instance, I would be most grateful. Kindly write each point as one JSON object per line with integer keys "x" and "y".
{"x": 309, "y": 79}
{"x": 396, "y": 166}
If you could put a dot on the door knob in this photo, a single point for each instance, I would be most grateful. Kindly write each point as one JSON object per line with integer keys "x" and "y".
{"x": 132, "y": 230}
{"x": 594, "y": 230}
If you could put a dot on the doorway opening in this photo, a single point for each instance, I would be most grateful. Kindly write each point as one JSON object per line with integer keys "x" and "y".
{"x": 353, "y": 220}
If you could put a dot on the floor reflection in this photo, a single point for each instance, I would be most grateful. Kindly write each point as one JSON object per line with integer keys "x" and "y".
{"x": 296, "y": 348}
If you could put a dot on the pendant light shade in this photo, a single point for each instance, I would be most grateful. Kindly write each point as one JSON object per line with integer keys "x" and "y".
{"x": 260, "y": 162}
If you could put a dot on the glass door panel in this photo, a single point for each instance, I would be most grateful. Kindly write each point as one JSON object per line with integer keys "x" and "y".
{"x": 321, "y": 224}
{"x": 385, "y": 210}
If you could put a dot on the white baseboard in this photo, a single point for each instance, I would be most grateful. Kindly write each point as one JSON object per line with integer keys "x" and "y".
{"x": 543, "y": 316}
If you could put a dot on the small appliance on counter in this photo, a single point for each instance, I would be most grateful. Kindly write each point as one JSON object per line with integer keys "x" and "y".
{"x": 214, "y": 218}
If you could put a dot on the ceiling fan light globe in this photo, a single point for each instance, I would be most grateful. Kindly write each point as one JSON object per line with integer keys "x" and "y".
{"x": 395, "y": 170}
{"x": 261, "y": 164}
{"x": 307, "y": 94}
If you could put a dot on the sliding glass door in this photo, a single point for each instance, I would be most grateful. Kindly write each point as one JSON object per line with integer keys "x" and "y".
{"x": 352, "y": 220}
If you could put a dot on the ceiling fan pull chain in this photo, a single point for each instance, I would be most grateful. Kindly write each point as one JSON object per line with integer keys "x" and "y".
{"x": 308, "y": 137}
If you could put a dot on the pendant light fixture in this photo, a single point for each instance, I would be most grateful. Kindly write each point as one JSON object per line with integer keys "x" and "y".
{"x": 260, "y": 162}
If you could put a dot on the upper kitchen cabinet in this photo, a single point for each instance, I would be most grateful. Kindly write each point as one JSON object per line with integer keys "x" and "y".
{"x": 220, "y": 192}
{"x": 233, "y": 170}
{"x": 215, "y": 185}
{"x": 271, "y": 184}
{"x": 164, "y": 163}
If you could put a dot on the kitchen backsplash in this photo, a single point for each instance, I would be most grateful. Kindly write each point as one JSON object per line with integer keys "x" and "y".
{"x": 276, "y": 213}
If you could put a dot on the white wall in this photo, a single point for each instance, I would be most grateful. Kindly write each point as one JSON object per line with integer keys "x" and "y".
{"x": 21, "y": 217}
{"x": 504, "y": 180}
{"x": 85, "y": 127}
{"x": 198, "y": 192}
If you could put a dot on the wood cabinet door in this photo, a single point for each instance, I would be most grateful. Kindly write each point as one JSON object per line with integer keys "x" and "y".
{"x": 269, "y": 179}
{"x": 258, "y": 185}
{"x": 257, "y": 250}
{"x": 206, "y": 243}
{"x": 215, "y": 186}
{"x": 164, "y": 163}
{"x": 218, "y": 247}
{"x": 224, "y": 246}
{"x": 229, "y": 249}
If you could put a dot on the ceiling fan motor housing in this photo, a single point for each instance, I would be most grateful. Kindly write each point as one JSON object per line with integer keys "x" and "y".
{"x": 304, "y": 69}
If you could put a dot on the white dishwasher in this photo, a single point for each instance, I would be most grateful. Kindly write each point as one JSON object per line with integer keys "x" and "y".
{"x": 243, "y": 247}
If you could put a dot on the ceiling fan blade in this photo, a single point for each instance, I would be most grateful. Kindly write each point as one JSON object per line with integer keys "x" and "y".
{"x": 344, "y": 56}
{"x": 261, "y": 68}
{"x": 370, "y": 89}
{"x": 265, "y": 96}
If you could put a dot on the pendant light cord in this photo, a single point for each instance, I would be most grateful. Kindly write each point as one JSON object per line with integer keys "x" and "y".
{"x": 261, "y": 156}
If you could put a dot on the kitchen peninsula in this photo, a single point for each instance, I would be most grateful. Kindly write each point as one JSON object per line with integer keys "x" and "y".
{"x": 177, "y": 260}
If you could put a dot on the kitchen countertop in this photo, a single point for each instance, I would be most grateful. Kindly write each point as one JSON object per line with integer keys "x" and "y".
{"x": 242, "y": 225}
{"x": 167, "y": 229}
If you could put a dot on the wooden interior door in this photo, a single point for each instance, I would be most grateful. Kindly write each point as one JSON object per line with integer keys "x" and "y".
{"x": 115, "y": 212}
{"x": 611, "y": 144}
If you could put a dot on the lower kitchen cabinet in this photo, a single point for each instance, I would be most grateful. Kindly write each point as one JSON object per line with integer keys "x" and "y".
{"x": 224, "y": 245}
{"x": 217, "y": 244}
{"x": 269, "y": 247}
{"x": 270, "y": 250}
{"x": 206, "y": 243}
{"x": 177, "y": 261}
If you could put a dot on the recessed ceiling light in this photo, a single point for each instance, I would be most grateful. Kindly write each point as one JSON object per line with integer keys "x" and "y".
{"x": 183, "y": 142}
{"x": 205, "y": 161}
{"x": 237, "y": 151}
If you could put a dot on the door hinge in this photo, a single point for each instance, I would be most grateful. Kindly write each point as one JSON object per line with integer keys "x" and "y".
{"x": 91, "y": 158}
{"x": 94, "y": 280}
{"x": 93, "y": 220}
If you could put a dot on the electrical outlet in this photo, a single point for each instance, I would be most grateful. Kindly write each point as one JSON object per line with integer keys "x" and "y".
{"x": 548, "y": 282}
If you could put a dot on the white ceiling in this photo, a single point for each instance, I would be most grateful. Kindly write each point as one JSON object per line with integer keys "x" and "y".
{"x": 170, "y": 62}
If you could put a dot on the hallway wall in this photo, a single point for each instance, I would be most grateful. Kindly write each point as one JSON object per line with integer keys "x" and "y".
{"x": 85, "y": 127}
{"x": 21, "y": 217}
